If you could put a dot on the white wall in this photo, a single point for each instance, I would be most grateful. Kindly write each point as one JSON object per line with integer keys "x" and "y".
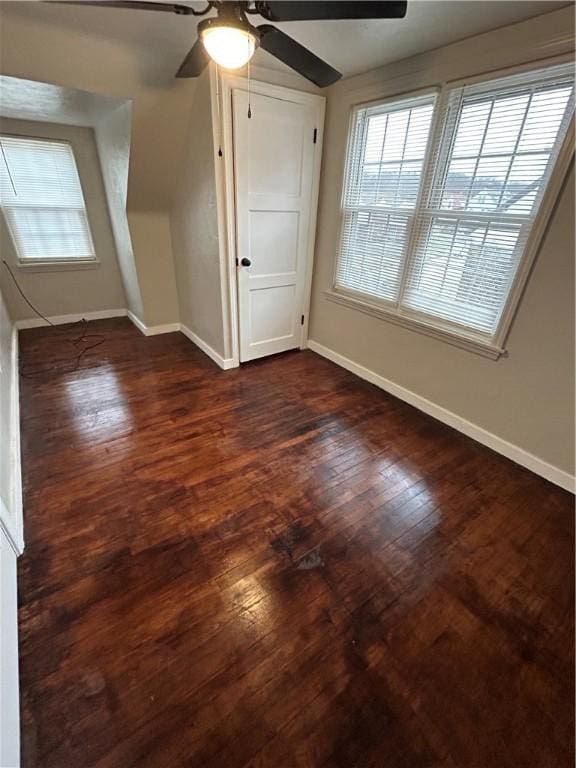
{"x": 112, "y": 133}
{"x": 76, "y": 290}
{"x": 10, "y": 540}
{"x": 527, "y": 398}
{"x": 9, "y": 699}
{"x": 10, "y": 482}
{"x": 287, "y": 79}
{"x": 194, "y": 223}
{"x": 152, "y": 241}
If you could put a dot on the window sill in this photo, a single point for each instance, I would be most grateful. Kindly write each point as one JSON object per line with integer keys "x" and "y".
{"x": 58, "y": 266}
{"x": 469, "y": 343}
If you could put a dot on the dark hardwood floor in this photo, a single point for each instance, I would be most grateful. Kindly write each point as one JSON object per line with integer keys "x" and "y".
{"x": 278, "y": 566}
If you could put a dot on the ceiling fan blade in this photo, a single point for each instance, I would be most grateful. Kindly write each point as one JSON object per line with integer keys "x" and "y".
{"x": 182, "y": 10}
{"x": 297, "y": 57}
{"x": 326, "y": 10}
{"x": 195, "y": 62}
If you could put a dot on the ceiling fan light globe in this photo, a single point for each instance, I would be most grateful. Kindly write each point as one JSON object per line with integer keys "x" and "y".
{"x": 230, "y": 47}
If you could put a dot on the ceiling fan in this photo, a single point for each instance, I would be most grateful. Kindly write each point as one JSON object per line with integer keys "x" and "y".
{"x": 230, "y": 40}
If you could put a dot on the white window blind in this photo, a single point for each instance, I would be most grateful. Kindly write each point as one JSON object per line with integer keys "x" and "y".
{"x": 42, "y": 200}
{"x": 383, "y": 172}
{"x": 448, "y": 256}
{"x": 495, "y": 157}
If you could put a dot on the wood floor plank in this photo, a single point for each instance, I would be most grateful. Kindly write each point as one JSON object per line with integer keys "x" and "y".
{"x": 278, "y": 566}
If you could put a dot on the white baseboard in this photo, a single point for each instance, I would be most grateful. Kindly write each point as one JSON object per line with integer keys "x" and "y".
{"x": 101, "y": 314}
{"x": 511, "y": 451}
{"x": 152, "y": 330}
{"x": 136, "y": 321}
{"x": 224, "y": 363}
{"x": 156, "y": 330}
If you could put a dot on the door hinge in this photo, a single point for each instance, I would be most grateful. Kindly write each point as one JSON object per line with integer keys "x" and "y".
{"x": 315, "y": 135}
{"x": 302, "y": 320}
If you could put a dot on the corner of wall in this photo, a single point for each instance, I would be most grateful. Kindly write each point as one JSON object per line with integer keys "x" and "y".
{"x": 11, "y": 520}
{"x": 11, "y": 540}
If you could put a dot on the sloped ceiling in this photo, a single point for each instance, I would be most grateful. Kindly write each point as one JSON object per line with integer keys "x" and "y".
{"x": 30, "y": 100}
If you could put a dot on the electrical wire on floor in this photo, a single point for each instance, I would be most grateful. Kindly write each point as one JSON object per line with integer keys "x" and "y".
{"x": 76, "y": 342}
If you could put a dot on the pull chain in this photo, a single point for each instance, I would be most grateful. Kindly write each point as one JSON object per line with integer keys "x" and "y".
{"x": 249, "y": 84}
{"x": 8, "y": 168}
{"x": 218, "y": 111}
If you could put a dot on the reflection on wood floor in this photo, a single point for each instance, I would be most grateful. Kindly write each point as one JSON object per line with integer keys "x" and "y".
{"x": 277, "y": 566}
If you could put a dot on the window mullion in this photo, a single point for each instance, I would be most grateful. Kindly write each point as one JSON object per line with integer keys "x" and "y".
{"x": 426, "y": 181}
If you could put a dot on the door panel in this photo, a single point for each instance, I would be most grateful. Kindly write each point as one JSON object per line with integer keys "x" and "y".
{"x": 272, "y": 313}
{"x": 273, "y": 241}
{"x": 274, "y": 165}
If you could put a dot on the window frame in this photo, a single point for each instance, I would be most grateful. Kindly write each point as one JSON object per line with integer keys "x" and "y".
{"x": 50, "y": 264}
{"x": 490, "y": 346}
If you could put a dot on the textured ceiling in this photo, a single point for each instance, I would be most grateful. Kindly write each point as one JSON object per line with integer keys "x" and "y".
{"x": 28, "y": 100}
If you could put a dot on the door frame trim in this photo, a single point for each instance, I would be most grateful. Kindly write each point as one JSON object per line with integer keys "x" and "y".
{"x": 222, "y": 88}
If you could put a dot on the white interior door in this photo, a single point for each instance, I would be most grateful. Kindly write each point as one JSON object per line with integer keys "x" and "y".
{"x": 274, "y": 161}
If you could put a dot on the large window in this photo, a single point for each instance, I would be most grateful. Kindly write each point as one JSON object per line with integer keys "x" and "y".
{"x": 441, "y": 193}
{"x": 42, "y": 201}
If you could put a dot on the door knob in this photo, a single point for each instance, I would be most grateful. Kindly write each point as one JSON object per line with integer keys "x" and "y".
{"x": 245, "y": 262}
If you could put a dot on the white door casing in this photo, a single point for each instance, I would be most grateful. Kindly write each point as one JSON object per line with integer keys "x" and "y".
{"x": 276, "y": 169}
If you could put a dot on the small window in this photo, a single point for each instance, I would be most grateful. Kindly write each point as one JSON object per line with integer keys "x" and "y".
{"x": 440, "y": 240}
{"x": 42, "y": 201}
